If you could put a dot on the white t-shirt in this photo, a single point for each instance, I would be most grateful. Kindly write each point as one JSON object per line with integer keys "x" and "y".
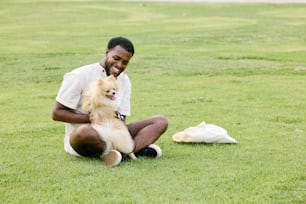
{"x": 77, "y": 81}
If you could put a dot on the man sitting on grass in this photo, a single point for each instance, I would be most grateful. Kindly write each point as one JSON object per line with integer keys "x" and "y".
{"x": 80, "y": 138}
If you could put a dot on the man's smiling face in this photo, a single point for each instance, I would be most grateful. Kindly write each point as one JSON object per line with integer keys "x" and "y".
{"x": 116, "y": 60}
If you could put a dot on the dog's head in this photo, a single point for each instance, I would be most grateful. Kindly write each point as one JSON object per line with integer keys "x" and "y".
{"x": 107, "y": 87}
{"x": 102, "y": 93}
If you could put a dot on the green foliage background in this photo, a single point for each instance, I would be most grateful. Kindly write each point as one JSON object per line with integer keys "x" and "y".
{"x": 239, "y": 66}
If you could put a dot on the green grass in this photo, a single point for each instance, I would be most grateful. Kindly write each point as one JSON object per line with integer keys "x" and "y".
{"x": 239, "y": 66}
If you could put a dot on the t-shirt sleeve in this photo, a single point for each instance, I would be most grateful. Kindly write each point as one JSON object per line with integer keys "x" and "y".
{"x": 70, "y": 91}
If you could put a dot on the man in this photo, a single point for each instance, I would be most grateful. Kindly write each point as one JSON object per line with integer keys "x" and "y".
{"x": 80, "y": 138}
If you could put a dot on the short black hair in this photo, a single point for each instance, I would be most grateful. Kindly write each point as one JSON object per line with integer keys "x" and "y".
{"x": 123, "y": 42}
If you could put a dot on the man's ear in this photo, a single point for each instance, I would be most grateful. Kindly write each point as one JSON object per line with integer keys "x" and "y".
{"x": 107, "y": 51}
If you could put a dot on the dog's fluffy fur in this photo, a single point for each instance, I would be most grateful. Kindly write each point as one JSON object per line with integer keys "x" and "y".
{"x": 99, "y": 103}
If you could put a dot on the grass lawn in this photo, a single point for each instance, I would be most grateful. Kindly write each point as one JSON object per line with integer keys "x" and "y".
{"x": 239, "y": 66}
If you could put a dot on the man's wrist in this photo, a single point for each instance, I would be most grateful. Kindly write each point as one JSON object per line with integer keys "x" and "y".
{"x": 120, "y": 116}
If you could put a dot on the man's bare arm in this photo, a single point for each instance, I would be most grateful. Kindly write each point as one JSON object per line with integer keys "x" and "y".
{"x": 65, "y": 114}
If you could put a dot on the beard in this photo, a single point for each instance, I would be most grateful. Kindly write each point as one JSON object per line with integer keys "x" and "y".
{"x": 106, "y": 67}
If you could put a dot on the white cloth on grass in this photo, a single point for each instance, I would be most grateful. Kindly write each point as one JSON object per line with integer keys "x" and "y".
{"x": 206, "y": 133}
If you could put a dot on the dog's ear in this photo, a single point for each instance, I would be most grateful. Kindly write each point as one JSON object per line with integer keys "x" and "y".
{"x": 100, "y": 81}
{"x": 111, "y": 78}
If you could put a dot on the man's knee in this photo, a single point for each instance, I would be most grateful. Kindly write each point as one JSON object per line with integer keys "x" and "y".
{"x": 162, "y": 122}
{"x": 81, "y": 134}
{"x": 86, "y": 141}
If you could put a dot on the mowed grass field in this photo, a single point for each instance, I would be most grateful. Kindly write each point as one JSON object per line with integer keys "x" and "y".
{"x": 239, "y": 66}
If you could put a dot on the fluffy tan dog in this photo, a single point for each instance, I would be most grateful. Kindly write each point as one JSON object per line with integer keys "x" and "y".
{"x": 99, "y": 103}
